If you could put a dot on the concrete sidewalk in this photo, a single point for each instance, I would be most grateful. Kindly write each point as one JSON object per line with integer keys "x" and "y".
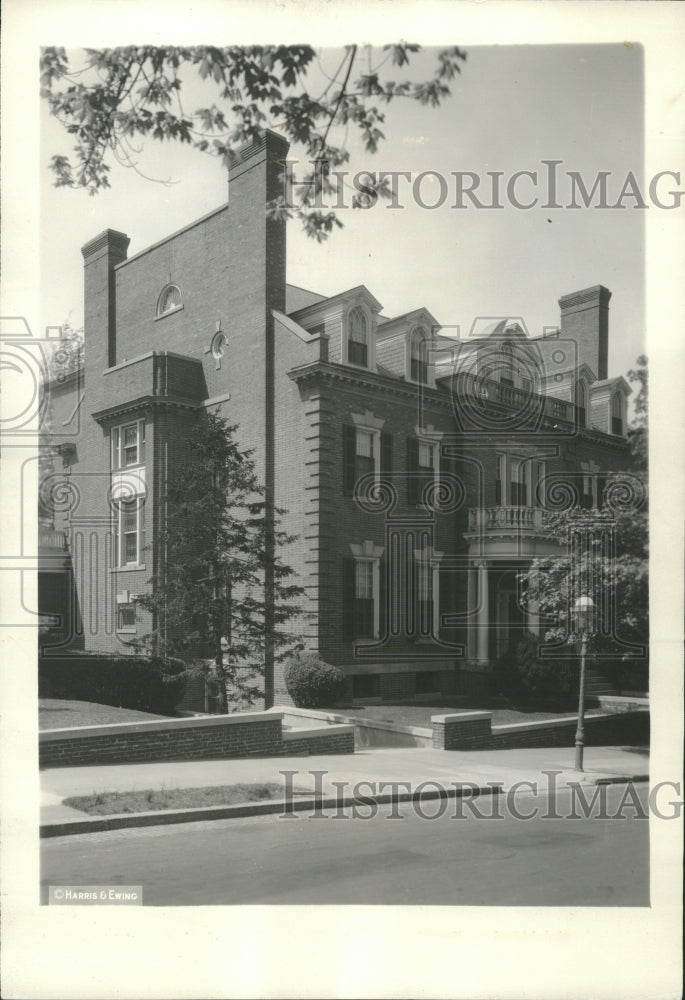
{"x": 408, "y": 765}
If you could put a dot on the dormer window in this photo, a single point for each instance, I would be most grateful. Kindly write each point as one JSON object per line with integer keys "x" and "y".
{"x": 169, "y": 300}
{"x": 507, "y": 365}
{"x": 419, "y": 356}
{"x": 617, "y": 414}
{"x": 358, "y": 337}
{"x": 580, "y": 402}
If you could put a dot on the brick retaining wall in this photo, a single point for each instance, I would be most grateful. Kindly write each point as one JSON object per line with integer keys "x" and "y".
{"x": 474, "y": 731}
{"x": 239, "y": 735}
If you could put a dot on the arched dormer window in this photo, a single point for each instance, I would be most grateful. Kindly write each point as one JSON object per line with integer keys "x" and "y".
{"x": 358, "y": 337}
{"x": 580, "y": 402}
{"x": 169, "y": 300}
{"x": 418, "y": 354}
{"x": 617, "y": 414}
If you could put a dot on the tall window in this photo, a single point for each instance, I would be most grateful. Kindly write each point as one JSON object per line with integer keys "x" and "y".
{"x": 537, "y": 498}
{"x": 422, "y": 467}
{"x": 129, "y": 531}
{"x": 580, "y": 400}
{"x": 358, "y": 337}
{"x": 128, "y": 445}
{"x": 424, "y": 595}
{"x": 419, "y": 356}
{"x": 365, "y": 452}
{"x": 507, "y": 369}
{"x": 518, "y": 487}
{"x": 501, "y": 481}
{"x": 360, "y": 598}
{"x": 617, "y": 414}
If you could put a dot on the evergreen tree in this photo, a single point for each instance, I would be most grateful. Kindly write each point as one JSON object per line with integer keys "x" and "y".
{"x": 210, "y": 597}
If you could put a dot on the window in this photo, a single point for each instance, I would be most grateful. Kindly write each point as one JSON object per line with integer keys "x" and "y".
{"x": 507, "y": 366}
{"x": 518, "y": 487}
{"x": 129, "y": 531}
{"x": 422, "y": 467}
{"x": 419, "y": 357}
{"x": 500, "y": 481}
{"x": 365, "y": 452}
{"x": 358, "y": 337}
{"x": 580, "y": 400}
{"x": 169, "y": 300}
{"x": 617, "y": 415}
{"x": 126, "y": 618}
{"x": 424, "y": 595}
{"x": 538, "y": 492}
{"x": 128, "y": 445}
{"x": 360, "y": 598}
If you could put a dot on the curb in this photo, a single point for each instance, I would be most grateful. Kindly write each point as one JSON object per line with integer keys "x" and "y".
{"x": 168, "y": 817}
{"x": 119, "y": 821}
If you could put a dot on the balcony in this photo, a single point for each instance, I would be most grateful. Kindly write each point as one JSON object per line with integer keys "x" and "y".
{"x": 156, "y": 377}
{"x": 531, "y": 406}
{"x": 505, "y": 520}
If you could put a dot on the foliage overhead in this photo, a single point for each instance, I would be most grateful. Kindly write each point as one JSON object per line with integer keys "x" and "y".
{"x": 122, "y": 95}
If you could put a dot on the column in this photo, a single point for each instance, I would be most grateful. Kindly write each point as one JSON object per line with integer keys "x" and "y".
{"x": 471, "y": 583}
{"x": 533, "y": 615}
{"x": 483, "y": 612}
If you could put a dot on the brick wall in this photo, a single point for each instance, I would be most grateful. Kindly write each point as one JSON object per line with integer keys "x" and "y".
{"x": 473, "y": 731}
{"x": 206, "y": 738}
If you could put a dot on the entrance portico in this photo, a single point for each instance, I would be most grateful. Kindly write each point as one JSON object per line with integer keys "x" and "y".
{"x": 503, "y": 541}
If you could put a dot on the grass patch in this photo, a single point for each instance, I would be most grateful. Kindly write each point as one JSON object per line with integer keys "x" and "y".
{"x": 58, "y": 713}
{"x": 149, "y": 799}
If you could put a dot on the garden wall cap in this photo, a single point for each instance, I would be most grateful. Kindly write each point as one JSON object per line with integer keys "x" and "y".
{"x": 122, "y": 728}
{"x": 442, "y": 720}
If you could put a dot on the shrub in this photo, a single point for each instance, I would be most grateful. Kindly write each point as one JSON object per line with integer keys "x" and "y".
{"x": 522, "y": 673}
{"x": 311, "y": 683}
{"x": 147, "y": 683}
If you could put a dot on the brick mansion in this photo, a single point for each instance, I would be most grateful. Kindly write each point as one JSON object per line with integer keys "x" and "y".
{"x": 415, "y": 468}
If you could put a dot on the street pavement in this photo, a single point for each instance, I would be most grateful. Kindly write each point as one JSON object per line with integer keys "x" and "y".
{"x": 396, "y": 855}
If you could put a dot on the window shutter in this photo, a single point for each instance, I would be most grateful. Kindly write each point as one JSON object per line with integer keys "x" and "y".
{"x": 349, "y": 454}
{"x": 413, "y": 483}
{"x": 386, "y": 452}
{"x": 348, "y": 595}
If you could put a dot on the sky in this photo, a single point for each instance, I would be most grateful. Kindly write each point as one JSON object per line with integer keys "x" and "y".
{"x": 511, "y": 108}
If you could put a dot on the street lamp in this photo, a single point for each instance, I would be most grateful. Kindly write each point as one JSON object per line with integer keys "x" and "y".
{"x": 583, "y": 608}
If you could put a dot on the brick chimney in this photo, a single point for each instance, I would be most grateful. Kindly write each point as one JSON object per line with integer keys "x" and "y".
{"x": 100, "y": 257}
{"x": 585, "y": 319}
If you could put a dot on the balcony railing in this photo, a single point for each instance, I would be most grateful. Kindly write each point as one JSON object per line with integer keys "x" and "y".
{"x": 512, "y": 519}
{"x": 476, "y": 387}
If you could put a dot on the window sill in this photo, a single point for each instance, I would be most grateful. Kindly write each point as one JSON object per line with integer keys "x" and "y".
{"x": 169, "y": 312}
{"x": 127, "y": 631}
{"x": 126, "y": 569}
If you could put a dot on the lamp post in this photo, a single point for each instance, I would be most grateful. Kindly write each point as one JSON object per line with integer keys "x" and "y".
{"x": 583, "y": 608}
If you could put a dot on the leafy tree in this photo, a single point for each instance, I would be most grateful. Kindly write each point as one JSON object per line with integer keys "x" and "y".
{"x": 618, "y": 580}
{"x": 209, "y": 595}
{"x": 120, "y": 95}
{"x": 638, "y": 432}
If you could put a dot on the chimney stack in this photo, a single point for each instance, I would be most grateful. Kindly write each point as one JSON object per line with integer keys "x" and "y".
{"x": 585, "y": 320}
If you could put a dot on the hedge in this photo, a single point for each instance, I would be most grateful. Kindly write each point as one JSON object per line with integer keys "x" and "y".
{"x": 147, "y": 683}
{"x": 311, "y": 683}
